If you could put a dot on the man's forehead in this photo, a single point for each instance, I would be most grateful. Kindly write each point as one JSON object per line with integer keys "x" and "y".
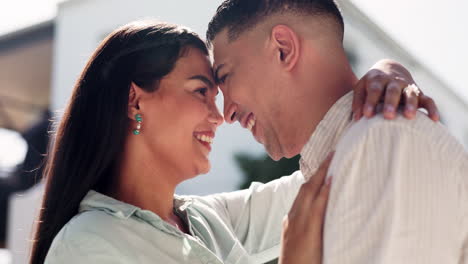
{"x": 221, "y": 47}
{"x": 225, "y": 46}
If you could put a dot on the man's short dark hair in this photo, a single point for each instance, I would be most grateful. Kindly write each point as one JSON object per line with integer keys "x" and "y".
{"x": 239, "y": 16}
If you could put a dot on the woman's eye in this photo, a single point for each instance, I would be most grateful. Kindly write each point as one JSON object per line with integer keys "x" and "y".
{"x": 202, "y": 91}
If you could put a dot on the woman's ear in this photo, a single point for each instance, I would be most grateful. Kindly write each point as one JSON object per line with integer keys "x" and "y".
{"x": 287, "y": 45}
{"x": 133, "y": 100}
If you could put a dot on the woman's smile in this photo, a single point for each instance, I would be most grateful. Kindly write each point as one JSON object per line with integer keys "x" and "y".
{"x": 205, "y": 138}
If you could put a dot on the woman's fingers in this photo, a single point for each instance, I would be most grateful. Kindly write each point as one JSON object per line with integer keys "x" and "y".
{"x": 429, "y": 104}
{"x": 359, "y": 98}
{"x": 322, "y": 197}
{"x": 375, "y": 90}
{"x": 392, "y": 98}
{"x": 315, "y": 183}
{"x": 411, "y": 94}
{"x": 321, "y": 201}
{"x": 396, "y": 92}
{"x": 368, "y": 92}
{"x": 303, "y": 225}
{"x": 310, "y": 189}
{"x": 391, "y": 83}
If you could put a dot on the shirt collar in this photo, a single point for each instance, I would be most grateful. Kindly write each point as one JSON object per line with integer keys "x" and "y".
{"x": 98, "y": 201}
{"x": 326, "y": 135}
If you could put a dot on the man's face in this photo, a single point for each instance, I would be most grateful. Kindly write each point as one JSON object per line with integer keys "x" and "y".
{"x": 252, "y": 88}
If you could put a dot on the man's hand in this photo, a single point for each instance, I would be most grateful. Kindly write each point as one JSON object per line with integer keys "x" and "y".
{"x": 301, "y": 240}
{"x": 391, "y": 83}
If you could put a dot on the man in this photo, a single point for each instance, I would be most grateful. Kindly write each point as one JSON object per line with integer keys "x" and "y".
{"x": 407, "y": 206}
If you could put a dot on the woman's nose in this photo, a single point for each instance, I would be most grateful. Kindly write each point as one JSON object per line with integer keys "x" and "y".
{"x": 215, "y": 116}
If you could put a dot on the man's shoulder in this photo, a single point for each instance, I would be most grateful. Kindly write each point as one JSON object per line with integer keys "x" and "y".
{"x": 421, "y": 123}
{"x": 420, "y": 129}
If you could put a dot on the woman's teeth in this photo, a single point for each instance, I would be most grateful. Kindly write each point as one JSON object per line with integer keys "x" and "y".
{"x": 205, "y": 138}
{"x": 251, "y": 123}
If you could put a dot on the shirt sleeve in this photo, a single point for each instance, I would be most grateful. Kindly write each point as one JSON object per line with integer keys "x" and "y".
{"x": 395, "y": 197}
{"x": 256, "y": 214}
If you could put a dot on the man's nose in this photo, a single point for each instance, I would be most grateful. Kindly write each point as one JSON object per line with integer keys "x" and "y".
{"x": 230, "y": 111}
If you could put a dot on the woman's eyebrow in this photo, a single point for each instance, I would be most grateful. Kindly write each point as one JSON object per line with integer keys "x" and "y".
{"x": 204, "y": 79}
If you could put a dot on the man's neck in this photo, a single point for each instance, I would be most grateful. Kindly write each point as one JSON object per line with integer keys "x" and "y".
{"x": 327, "y": 135}
{"x": 307, "y": 123}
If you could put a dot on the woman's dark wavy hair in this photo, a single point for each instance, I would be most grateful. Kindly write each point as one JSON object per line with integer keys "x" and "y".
{"x": 90, "y": 136}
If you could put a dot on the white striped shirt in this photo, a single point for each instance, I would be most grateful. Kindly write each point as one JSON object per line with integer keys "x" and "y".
{"x": 399, "y": 191}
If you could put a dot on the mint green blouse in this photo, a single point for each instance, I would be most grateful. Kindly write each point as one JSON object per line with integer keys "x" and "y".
{"x": 237, "y": 227}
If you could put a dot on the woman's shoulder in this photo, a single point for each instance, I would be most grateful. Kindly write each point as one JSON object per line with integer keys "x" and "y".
{"x": 101, "y": 216}
{"x": 86, "y": 226}
{"x": 90, "y": 222}
{"x": 100, "y": 237}
{"x": 89, "y": 234}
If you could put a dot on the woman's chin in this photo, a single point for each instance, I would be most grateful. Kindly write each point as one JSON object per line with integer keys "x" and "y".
{"x": 203, "y": 168}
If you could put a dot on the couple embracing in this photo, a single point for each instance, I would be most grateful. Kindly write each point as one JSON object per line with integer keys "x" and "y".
{"x": 376, "y": 184}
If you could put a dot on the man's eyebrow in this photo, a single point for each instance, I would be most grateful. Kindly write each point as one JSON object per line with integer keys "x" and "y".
{"x": 216, "y": 71}
{"x": 203, "y": 79}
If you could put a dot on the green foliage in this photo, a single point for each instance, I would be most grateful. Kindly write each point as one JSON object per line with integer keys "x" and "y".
{"x": 263, "y": 168}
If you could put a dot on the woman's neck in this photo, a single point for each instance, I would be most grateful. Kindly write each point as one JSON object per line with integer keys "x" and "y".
{"x": 143, "y": 182}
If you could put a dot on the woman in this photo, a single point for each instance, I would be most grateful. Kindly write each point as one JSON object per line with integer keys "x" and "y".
{"x": 140, "y": 121}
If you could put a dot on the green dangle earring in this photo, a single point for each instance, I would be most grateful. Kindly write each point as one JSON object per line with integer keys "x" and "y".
{"x": 139, "y": 120}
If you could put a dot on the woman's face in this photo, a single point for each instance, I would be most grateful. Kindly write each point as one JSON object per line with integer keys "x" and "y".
{"x": 180, "y": 118}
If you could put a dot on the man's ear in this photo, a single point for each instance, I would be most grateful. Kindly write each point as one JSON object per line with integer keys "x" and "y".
{"x": 133, "y": 100}
{"x": 287, "y": 45}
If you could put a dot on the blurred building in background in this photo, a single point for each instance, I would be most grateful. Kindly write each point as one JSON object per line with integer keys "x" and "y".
{"x": 25, "y": 76}
{"x": 39, "y": 73}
